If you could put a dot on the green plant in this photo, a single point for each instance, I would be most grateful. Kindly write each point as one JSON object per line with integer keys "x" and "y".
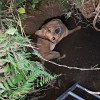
{"x": 19, "y": 74}
{"x": 68, "y": 15}
{"x": 34, "y": 2}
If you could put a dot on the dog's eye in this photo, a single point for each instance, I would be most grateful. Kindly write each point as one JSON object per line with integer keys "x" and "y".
{"x": 49, "y": 31}
{"x": 58, "y": 30}
{"x": 53, "y": 38}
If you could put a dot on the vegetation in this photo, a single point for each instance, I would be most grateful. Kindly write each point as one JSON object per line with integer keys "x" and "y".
{"x": 18, "y": 74}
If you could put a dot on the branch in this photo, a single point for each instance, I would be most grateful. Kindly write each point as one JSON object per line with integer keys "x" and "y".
{"x": 69, "y": 67}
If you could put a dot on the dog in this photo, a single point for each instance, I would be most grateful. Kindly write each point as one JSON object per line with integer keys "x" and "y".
{"x": 49, "y": 35}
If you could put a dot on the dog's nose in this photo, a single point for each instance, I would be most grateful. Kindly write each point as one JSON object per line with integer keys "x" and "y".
{"x": 53, "y": 38}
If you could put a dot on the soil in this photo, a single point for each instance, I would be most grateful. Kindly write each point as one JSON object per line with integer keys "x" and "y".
{"x": 35, "y": 18}
{"x": 82, "y": 49}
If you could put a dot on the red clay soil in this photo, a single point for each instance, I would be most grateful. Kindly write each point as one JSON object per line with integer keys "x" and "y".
{"x": 82, "y": 49}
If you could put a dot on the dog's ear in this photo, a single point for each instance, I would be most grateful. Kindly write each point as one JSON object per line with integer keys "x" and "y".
{"x": 39, "y": 33}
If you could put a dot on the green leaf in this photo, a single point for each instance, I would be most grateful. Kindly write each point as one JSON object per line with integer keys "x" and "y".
{"x": 37, "y": 54}
{"x": 36, "y": 1}
{"x": 33, "y": 6}
{"x": 11, "y": 31}
{"x": 1, "y": 86}
{"x": 2, "y": 25}
{"x": 6, "y": 85}
{"x": 41, "y": 83}
{"x": 1, "y": 91}
{"x": 2, "y": 54}
{"x": 68, "y": 14}
{"x": 2, "y": 62}
{"x": 10, "y": 83}
{"x": 21, "y": 10}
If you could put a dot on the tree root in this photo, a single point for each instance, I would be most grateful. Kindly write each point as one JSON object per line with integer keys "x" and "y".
{"x": 95, "y": 21}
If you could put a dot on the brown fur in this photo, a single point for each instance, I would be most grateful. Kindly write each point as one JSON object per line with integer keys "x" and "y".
{"x": 46, "y": 42}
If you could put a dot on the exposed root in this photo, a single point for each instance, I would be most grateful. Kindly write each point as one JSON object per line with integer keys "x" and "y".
{"x": 91, "y": 8}
{"x": 69, "y": 67}
{"x": 95, "y": 20}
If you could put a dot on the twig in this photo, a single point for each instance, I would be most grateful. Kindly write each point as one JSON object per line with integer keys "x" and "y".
{"x": 27, "y": 45}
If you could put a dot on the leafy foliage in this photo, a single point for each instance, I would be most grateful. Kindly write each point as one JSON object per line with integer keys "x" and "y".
{"x": 21, "y": 73}
{"x": 18, "y": 74}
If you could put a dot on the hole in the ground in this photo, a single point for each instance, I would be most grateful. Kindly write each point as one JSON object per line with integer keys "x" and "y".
{"x": 82, "y": 50}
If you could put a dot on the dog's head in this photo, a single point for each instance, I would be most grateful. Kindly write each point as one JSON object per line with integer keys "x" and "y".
{"x": 52, "y": 31}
